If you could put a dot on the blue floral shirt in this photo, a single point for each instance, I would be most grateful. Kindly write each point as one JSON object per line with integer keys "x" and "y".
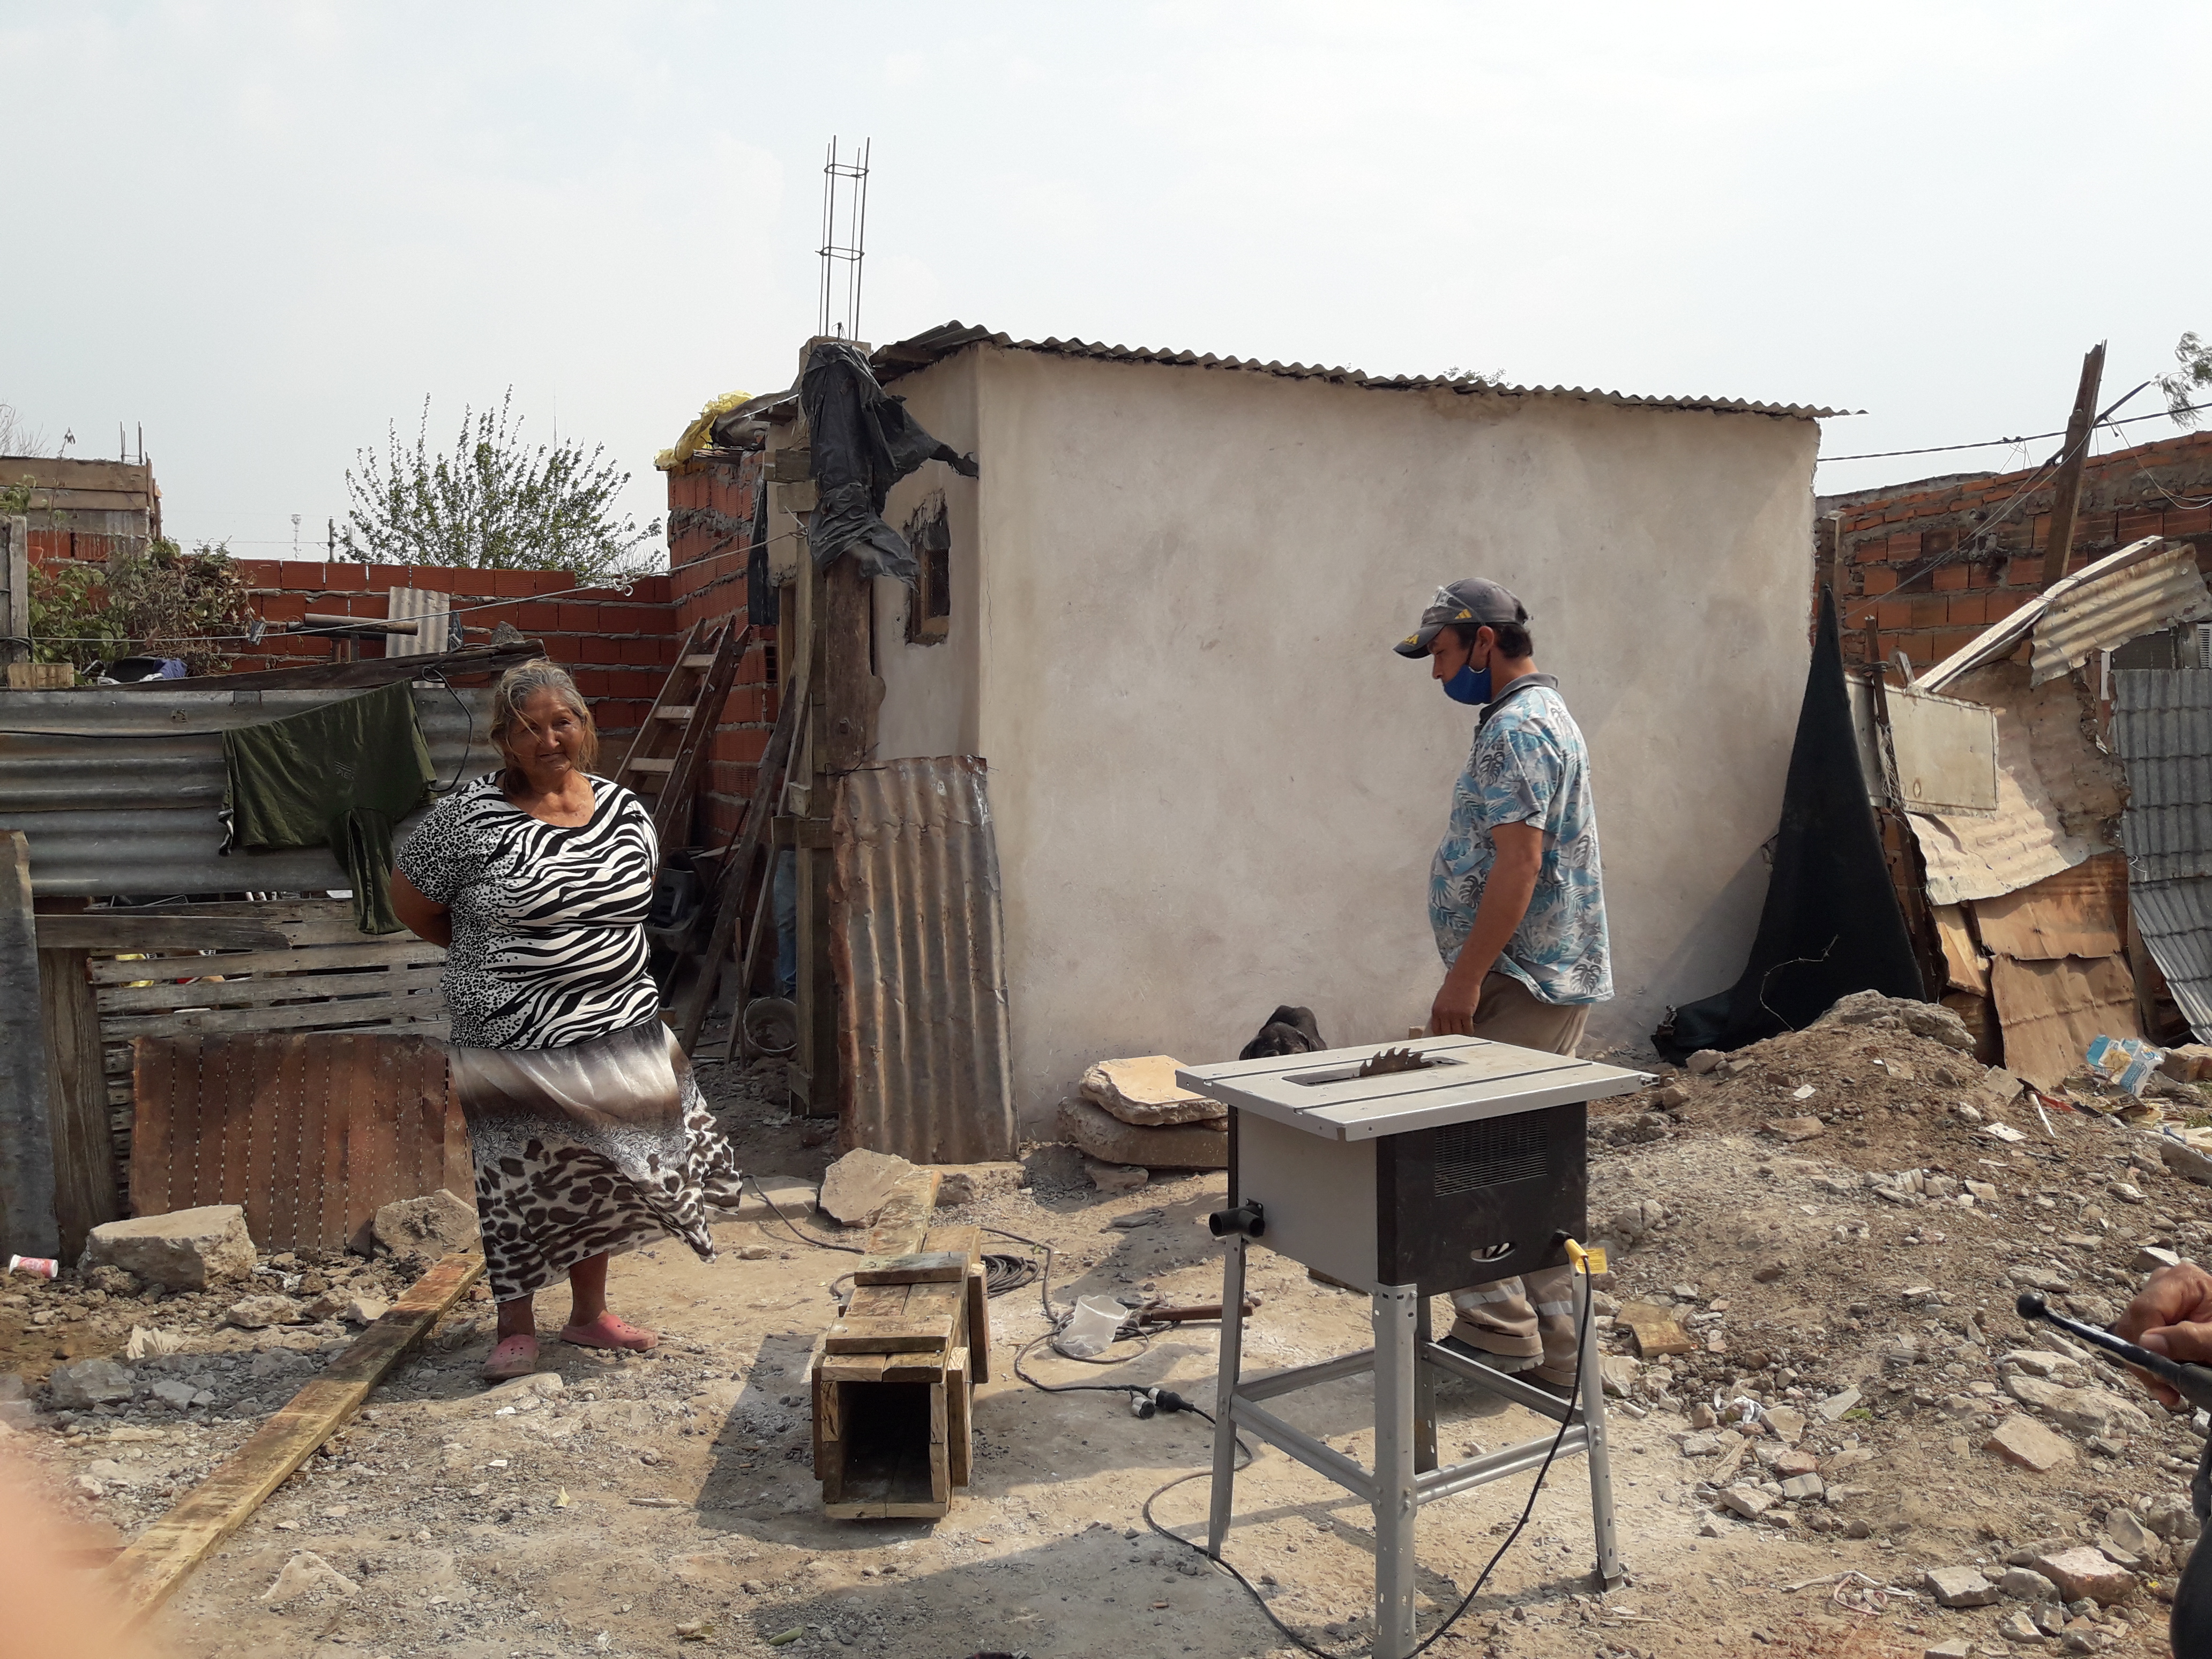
{"x": 1529, "y": 765}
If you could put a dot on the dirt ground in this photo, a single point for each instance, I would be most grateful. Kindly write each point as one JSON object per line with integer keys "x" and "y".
{"x": 664, "y": 1504}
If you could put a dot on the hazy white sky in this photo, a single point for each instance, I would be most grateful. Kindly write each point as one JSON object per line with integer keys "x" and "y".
{"x": 265, "y": 231}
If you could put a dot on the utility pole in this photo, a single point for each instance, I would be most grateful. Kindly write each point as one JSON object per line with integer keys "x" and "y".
{"x": 2059, "y": 543}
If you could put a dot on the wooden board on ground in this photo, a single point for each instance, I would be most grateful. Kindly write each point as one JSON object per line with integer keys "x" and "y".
{"x": 1655, "y": 1330}
{"x": 147, "y": 1573}
{"x": 903, "y": 1222}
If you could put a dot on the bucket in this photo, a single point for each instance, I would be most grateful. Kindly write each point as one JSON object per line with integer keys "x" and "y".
{"x": 771, "y": 1028}
{"x": 1090, "y": 1330}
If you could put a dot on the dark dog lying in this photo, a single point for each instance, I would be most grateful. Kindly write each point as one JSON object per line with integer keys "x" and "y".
{"x": 1287, "y": 1031}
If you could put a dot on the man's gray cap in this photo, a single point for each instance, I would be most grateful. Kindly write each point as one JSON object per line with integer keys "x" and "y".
{"x": 1484, "y": 604}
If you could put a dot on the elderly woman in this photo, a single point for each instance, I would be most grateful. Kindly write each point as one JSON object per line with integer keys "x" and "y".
{"x": 588, "y": 1130}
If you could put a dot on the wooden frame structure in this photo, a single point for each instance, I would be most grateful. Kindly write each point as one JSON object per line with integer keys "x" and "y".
{"x": 894, "y": 1379}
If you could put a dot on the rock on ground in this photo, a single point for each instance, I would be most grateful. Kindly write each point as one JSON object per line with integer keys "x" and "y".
{"x": 1173, "y": 1146}
{"x": 2026, "y": 1584}
{"x": 308, "y": 1574}
{"x": 964, "y": 1183}
{"x": 2023, "y": 1441}
{"x": 1053, "y": 1167}
{"x": 183, "y": 1250}
{"x": 1115, "y": 1177}
{"x": 2172, "y": 1517}
{"x": 424, "y": 1229}
{"x": 253, "y": 1312}
{"x": 1928, "y": 1019}
{"x": 1144, "y": 1093}
{"x": 855, "y": 1189}
{"x": 1957, "y": 1587}
{"x": 91, "y": 1382}
{"x": 2086, "y": 1572}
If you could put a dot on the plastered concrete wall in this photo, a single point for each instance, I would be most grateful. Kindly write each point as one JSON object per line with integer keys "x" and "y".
{"x": 1217, "y": 788}
{"x": 929, "y": 691}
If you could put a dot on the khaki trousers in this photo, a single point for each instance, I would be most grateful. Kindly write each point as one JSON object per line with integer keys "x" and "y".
{"x": 1532, "y": 1323}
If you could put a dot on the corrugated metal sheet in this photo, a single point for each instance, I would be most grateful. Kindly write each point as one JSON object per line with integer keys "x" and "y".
{"x": 918, "y": 941}
{"x": 117, "y": 789}
{"x": 2162, "y": 727}
{"x": 2175, "y": 921}
{"x": 432, "y": 612}
{"x": 2147, "y": 598}
{"x": 920, "y": 350}
{"x": 1999, "y": 639}
{"x": 1981, "y": 855}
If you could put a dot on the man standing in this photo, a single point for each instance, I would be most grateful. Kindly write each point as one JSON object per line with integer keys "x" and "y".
{"x": 1518, "y": 909}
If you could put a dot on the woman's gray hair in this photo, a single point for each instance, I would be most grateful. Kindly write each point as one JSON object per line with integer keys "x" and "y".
{"x": 517, "y": 686}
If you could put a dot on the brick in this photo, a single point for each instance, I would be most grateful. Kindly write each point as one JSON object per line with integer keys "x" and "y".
{"x": 1931, "y": 611}
{"x": 593, "y": 648}
{"x": 579, "y": 619}
{"x": 1970, "y": 608}
{"x": 282, "y": 607}
{"x": 1950, "y": 579}
{"x": 743, "y": 744}
{"x": 1893, "y": 614}
{"x": 644, "y": 651}
{"x": 1877, "y": 579}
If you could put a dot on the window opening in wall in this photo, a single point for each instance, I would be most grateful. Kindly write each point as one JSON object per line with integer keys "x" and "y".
{"x": 929, "y": 610}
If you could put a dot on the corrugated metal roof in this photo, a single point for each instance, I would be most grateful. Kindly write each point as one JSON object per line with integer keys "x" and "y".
{"x": 918, "y": 941}
{"x": 2000, "y": 638}
{"x": 2175, "y": 921}
{"x": 2162, "y": 727}
{"x": 117, "y": 789}
{"x": 2147, "y": 597}
{"x": 920, "y": 350}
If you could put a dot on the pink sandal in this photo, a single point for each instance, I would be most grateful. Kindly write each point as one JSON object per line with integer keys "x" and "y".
{"x": 514, "y": 1357}
{"x": 609, "y": 1332}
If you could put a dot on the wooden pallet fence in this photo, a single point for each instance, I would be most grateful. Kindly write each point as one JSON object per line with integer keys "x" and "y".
{"x": 312, "y": 1132}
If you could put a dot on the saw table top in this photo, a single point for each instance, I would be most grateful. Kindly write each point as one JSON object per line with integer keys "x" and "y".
{"x": 1461, "y": 1080}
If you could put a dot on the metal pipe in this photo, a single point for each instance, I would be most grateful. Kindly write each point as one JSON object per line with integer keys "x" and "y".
{"x": 1498, "y": 1382}
{"x": 1322, "y": 1458}
{"x": 1495, "y": 1466}
{"x": 1305, "y": 1376}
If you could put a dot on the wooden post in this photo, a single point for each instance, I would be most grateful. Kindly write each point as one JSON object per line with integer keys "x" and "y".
{"x": 27, "y": 1145}
{"x": 15, "y": 593}
{"x": 2067, "y": 498}
{"x": 85, "y": 1193}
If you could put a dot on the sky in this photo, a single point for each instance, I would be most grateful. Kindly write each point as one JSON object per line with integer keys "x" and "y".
{"x": 266, "y": 233}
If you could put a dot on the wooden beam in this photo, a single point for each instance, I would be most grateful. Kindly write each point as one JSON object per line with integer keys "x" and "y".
{"x": 26, "y": 1144}
{"x": 109, "y": 930}
{"x": 83, "y": 1144}
{"x": 2066, "y": 497}
{"x": 147, "y": 1573}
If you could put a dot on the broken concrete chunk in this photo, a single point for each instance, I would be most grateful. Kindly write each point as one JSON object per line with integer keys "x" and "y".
{"x": 855, "y": 1189}
{"x": 2149, "y": 1259}
{"x": 2086, "y": 1572}
{"x": 1620, "y": 1371}
{"x": 253, "y": 1313}
{"x": 1927, "y": 1019}
{"x": 1798, "y": 1487}
{"x": 964, "y": 1183}
{"x": 1833, "y": 1408}
{"x": 1115, "y": 1177}
{"x": 1169, "y": 1146}
{"x": 1787, "y": 1422}
{"x": 1703, "y": 1060}
{"x": 2018, "y": 1627}
{"x": 1958, "y": 1647}
{"x": 424, "y": 1229}
{"x": 174, "y": 1393}
{"x": 2191, "y": 1063}
{"x": 2171, "y": 1516}
{"x": 1747, "y": 1501}
{"x": 1672, "y": 1096}
{"x": 2130, "y": 1534}
{"x": 364, "y": 1309}
{"x": 91, "y": 1382}
{"x": 308, "y": 1574}
{"x": 1144, "y": 1091}
{"x": 1796, "y": 1128}
{"x": 2024, "y": 1441}
{"x": 2185, "y": 1161}
{"x": 2026, "y": 1584}
{"x": 1700, "y": 1445}
{"x": 1960, "y": 1587}
{"x": 184, "y": 1251}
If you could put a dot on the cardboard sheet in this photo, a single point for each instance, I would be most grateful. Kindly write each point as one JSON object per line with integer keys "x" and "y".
{"x": 2049, "y": 1011}
{"x": 2080, "y": 912}
{"x": 1965, "y": 967}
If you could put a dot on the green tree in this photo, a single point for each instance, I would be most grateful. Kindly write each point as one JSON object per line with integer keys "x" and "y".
{"x": 494, "y": 502}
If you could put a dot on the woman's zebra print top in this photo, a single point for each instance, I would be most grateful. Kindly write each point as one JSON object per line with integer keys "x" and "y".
{"x": 549, "y": 922}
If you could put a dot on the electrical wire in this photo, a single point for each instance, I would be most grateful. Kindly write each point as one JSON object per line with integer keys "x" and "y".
{"x": 2003, "y": 443}
{"x": 803, "y": 1238}
{"x": 1465, "y": 1602}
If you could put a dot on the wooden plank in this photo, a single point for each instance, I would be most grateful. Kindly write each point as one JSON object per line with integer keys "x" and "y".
{"x": 1655, "y": 1330}
{"x": 262, "y": 989}
{"x": 940, "y": 1448}
{"x": 691, "y": 1011}
{"x": 672, "y": 808}
{"x": 886, "y": 1335}
{"x": 109, "y": 930}
{"x": 147, "y": 1573}
{"x": 978, "y": 1323}
{"x": 2066, "y": 490}
{"x": 903, "y": 1222}
{"x": 27, "y": 1135}
{"x": 285, "y": 958}
{"x": 850, "y": 1367}
{"x": 311, "y": 1016}
{"x": 929, "y": 1267}
{"x": 337, "y": 1148}
{"x": 959, "y": 1420}
{"x": 373, "y": 1179}
{"x": 290, "y": 1072}
{"x": 84, "y": 1147}
{"x": 917, "y": 1365}
{"x": 152, "y": 1082}
{"x": 642, "y": 744}
{"x": 660, "y": 765}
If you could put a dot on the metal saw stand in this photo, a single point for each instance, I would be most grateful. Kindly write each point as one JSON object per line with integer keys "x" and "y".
{"x": 1405, "y": 1362}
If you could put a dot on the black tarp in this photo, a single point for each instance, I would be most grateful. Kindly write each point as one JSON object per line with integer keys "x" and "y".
{"x": 1832, "y": 924}
{"x": 863, "y": 442}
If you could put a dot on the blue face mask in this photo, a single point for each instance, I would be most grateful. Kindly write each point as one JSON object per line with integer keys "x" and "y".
{"x": 1468, "y": 686}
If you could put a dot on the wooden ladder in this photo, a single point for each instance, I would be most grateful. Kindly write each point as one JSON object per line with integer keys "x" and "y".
{"x": 667, "y": 756}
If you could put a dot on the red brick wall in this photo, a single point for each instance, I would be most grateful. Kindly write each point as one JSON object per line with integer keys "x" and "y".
{"x": 710, "y": 517}
{"x": 1931, "y": 571}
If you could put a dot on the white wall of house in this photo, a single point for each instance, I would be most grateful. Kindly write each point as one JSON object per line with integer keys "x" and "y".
{"x": 1217, "y": 788}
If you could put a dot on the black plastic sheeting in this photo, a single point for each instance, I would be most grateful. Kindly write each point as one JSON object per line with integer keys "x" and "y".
{"x": 1833, "y": 924}
{"x": 764, "y": 600}
{"x": 863, "y": 442}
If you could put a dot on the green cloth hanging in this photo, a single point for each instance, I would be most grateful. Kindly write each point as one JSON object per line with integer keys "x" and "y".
{"x": 341, "y": 776}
